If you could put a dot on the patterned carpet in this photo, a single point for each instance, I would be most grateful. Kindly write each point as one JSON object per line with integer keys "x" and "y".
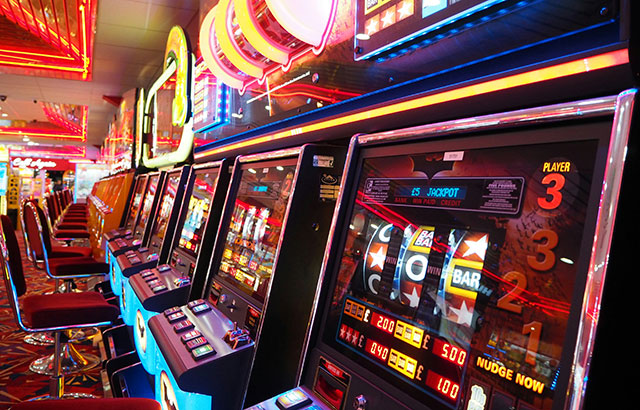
{"x": 17, "y": 382}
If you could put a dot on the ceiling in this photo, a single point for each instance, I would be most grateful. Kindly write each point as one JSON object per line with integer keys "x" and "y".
{"x": 129, "y": 45}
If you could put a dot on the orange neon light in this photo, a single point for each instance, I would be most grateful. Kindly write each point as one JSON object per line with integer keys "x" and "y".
{"x": 256, "y": 36}
{"x": 581, "y": 66}
{"x": 224, "y": 18}
{"x": 210, "y": 55}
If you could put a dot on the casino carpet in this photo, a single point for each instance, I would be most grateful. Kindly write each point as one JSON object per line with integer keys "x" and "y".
{"x": 17, "y": 382}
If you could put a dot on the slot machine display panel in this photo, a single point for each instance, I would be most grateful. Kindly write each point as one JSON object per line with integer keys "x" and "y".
{"x": 134, "y": 211}
{"x": 168, "y": 285}
{"x": 169, "y": 206}
{"x": 192, "y": 235}
{"x": 136, "y": 202}
{"x": 159, "y": 242}
{"x": 119, "y": 246}
{"x": 461, "y": 264}
{"x": 252, "y": 237}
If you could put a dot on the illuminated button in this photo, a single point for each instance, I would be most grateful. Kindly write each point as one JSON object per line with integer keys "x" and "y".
{"x": 171, "y": 311}
{"x": 159, "y": 288}
{"x": 195, "y": 303}
{"x": 183, "y": 326}
{"x": 201, "y": 308}
{"x": 202, "y": 352}
{"x": 292, "y": 400}
{"x": 175, "y": 317}
{"x": 163, "y": 268}
{"x": 190, "y": 335}
{"x": 197, "y": 342}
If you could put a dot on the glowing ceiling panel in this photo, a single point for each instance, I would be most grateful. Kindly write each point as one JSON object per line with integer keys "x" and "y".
{"x": 47, "y": 37}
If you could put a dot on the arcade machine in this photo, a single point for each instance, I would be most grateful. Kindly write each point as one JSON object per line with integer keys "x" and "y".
{"x": 141, "y": 232}
{"x": 132, "y": 212}
{"x": 251, "y": 313}
{"x": 151, "y": 291}
{"x": 157, "y": 243}
{"x": 463, "y": 266}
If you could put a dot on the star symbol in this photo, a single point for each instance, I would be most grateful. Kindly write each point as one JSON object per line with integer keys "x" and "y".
{"x": 464, "y": 314}
{"x": 413, "y": 297}
{"x": 372, "y": 26}
{"x": 388, "y": 17}
{"x": 478, "y": 247}
{"x": 405, "y": 9}
{"x": 377, "y": 259}
{"x": 342, "y": 330}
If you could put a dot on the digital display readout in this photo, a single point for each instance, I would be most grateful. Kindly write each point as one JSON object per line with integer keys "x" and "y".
{"x": 407, "y": 349}
{"x": 498, "y": 195}
{"x": 452, "y": 192}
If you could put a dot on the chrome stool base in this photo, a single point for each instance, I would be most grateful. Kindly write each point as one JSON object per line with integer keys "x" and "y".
{"x": 45, "y": 338}
{"x": 71, "y": 361}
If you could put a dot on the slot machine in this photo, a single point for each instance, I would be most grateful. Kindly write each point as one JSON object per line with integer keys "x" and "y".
{"x": 132, "y": 212}
{"x": 253, "y": 309}
{"x": 141, "y": 231}
{"x": 463, "y": 266}
{"x": 159, "y": 242}
{"x": 169, "y": 284}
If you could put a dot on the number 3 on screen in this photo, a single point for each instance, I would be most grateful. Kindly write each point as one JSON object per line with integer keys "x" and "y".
{"x": 555, "y": 182}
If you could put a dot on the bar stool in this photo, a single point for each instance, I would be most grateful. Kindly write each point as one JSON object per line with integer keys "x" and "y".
{"x": 65, "y": 269}
{"x": 129, "y": 403}
{"x": 32, "y": 244}
{"x": 34, "y": 253}
{"x": 64, "y": 228}
{"x": 56, "y": 312}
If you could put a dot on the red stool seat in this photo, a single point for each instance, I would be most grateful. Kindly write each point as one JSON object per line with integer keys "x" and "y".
{"x": 69, "y": 251}
{"x": 77, "y": 266}
{"x": 72, "y": 226}
{"x": 67, "y": 309}
{"x": 71, "y": 233}
{"x": 129, "y": 403}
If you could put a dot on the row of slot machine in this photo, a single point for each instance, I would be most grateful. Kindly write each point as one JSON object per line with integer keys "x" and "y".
{"x": 447, "y": 266}
{"x": 107, "y": 202}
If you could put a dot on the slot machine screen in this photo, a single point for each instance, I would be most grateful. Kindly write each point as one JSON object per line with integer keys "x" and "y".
{"x": 147, "y": 204}
{"x": 165, "y": 207}
{"x": 256, "y": 223}
{"x": 136, "y": 200}
{"x": 460, "y": 264}
{"x": 198, "y": 211}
